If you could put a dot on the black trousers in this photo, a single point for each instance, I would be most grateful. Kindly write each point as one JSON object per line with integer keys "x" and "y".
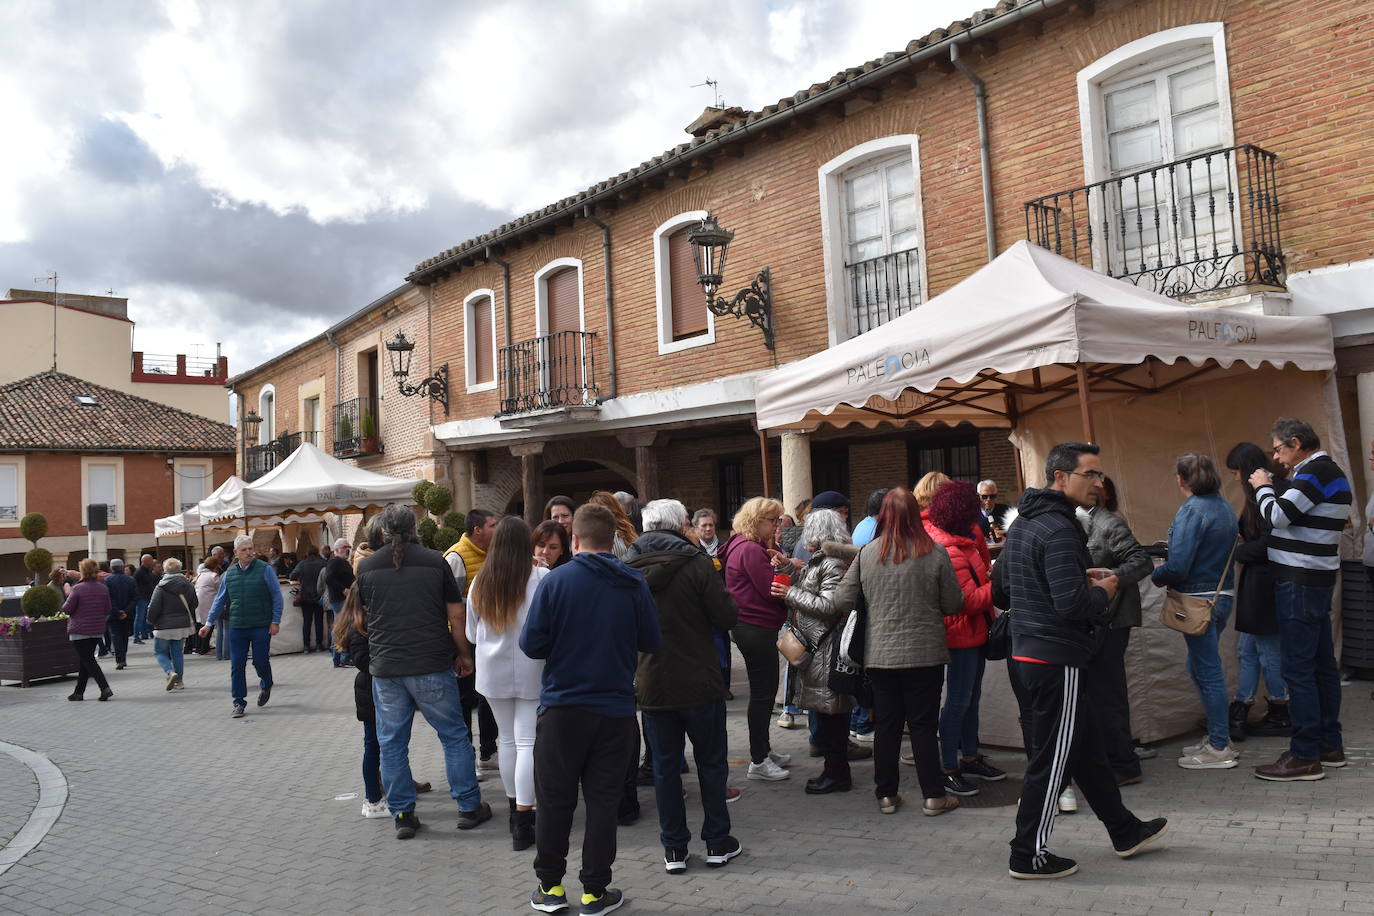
{"x": 312, "y": 616}
{"x": 89, "y": 667}
{"x": 911, "y": 697}
{"x": 832, "y": 737}
{"x": 576, "y": 747}
{"x": 1105, "y": 681}
{"x": 759, "y": 646}
{"x": 119, "y": 632}
{"x": 1064, "y": 734}
{"x": 472, "y": 700}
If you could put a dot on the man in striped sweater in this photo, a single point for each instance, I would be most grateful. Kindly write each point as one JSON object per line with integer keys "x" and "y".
{"x": 1308, "y": 517}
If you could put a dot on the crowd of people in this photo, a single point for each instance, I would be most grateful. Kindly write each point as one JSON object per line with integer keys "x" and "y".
{"x": 560, "y": 635}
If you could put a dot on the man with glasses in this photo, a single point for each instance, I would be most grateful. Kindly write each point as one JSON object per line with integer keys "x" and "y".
{"x": 1308, "y": 517}
{"x": 993, "y": 517}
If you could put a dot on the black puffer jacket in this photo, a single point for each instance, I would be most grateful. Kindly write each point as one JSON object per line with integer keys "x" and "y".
{"x": 692, "y": 604}
{"x": 1055, "y": 613}
{"x": 359, "y": 655}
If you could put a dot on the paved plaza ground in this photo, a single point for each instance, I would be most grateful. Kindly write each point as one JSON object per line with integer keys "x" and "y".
{"x": 173, "y": 807}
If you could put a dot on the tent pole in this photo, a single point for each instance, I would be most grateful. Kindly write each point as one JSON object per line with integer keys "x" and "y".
{"x": 1014, "y": 415}
{"x": 767, "y": 473}
{"x": 204, "y": 552}
{"x": 1082, "y": 372}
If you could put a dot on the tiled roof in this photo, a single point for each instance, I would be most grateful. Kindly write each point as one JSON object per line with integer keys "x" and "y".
{"x": 41, "y": 412}
{"x": 832, "y": 90}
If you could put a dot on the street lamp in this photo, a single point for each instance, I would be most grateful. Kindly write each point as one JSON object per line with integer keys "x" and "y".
{"x": 710, "y": 244}
{"x": 400, "y": 350}
{"x": 251, "y": 421}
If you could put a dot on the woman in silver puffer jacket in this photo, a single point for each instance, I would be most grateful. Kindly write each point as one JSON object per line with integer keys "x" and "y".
{"x": 811, "y": 612}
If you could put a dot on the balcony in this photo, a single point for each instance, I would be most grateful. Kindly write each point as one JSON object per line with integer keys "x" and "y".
{"x": 553, "y": 373}
{"x": 260, "y": 459}
{"x": 1208, "y": 223}
{"x": 179, "y": 369}
{"x": 355, "y": 429}
{"x": 882, "y": 288}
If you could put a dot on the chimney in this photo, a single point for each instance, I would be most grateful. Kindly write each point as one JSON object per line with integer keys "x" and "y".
{"x": 711, "y": 118}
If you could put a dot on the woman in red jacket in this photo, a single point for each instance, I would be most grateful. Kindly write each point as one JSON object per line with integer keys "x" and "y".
{"x": 952, "y": 522}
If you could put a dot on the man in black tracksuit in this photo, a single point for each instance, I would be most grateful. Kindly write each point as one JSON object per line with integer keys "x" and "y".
{"x": 1057, "y": 605}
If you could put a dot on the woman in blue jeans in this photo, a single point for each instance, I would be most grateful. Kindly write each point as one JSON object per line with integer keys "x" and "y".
{"x": 1202, "y": 539}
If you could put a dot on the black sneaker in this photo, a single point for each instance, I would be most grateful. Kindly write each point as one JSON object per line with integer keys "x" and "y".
{"x": 264, "y": 695}
{"x": 549, "y": 901}
{"x": 956, "y": 784}
{"x": 979, "y": 768}
{"x": 1144, "y": 835}
{"x": 407, "y": 822}
{"x": 644, "y": 776}
{"x": 674, "y": 860}
{"x": 722, "y": 851}
{"x": 469, "y": 819}
{"x": 1048, "y": 866}
{"x": 610, "y": 899}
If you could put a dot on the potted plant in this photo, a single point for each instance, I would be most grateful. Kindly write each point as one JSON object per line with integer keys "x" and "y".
{"x": 345, "y": 444}
{"x": 35, "y": 644}
{"x": 368, "y": 430}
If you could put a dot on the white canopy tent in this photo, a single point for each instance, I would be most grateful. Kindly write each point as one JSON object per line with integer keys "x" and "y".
{"x": 179, "y": 524}
{"x": 1042, "y": 346}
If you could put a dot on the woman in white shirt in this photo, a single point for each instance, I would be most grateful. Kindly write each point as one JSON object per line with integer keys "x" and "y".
{"x": 498, "y": 603}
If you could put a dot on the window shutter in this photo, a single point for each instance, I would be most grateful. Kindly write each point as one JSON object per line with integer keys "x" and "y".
{"x": 562, "y": 296}
{"x": 480, "y": 346}
{"x": 686, "y": 299}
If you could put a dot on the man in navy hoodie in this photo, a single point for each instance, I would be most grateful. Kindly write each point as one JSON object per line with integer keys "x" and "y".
{"x": 589, "y": 621}
{"x": 1057, "y": 605}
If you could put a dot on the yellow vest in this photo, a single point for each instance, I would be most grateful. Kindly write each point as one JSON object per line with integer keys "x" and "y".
{"x": 473, "y": 557}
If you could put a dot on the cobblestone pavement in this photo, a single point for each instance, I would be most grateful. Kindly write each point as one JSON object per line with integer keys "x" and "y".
{"x": 176, "y": 808}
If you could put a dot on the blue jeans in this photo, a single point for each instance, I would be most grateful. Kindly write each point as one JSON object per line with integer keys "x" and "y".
{"x": 959, "y": 718}
{"x": 789, "y": 691}
{"x": 705, "y": 727}
{"x": 1309, "y": 666}
{"x": 1204, "y": 666}
{"x": 141, "y": 628}
{"x": 436, "y": 697}
{"x": 372, "y": 763}
{"x": 240, "y": 639}
{"x": 169, "y": 654}
{"x": 860, "y": 720}
{"x": 1254, "y": 653}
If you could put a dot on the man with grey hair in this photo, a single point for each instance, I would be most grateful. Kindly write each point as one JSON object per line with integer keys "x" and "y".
{"x": 679, "y": 687}
{"x": 250, "y": 596}
{"x": 993, "y": 517}
{"x": 338, "y": 578}
{"x": 146, "y": 578}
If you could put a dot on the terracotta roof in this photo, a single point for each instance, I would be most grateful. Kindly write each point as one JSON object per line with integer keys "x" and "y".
{"x": 42, "y": 413}
{"x": 835, "y": 89}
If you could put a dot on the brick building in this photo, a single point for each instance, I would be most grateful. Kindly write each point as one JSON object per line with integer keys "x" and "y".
{"x": 1213, "y": 151}
{"x": 66, "y": 443}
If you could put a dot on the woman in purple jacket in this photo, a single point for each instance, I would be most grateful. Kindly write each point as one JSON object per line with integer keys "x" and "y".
{"x": 749, "y": 580}
{"x": 88, "y": 608}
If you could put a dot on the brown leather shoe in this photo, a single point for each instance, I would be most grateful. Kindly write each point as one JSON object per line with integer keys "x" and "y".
{"x": 1334, "y": 758}
{"x": 863, "y": 751}
{"x": 934, "y": 807}
{"x": 1290, "y": 769}
{"x": 889, "y": 804}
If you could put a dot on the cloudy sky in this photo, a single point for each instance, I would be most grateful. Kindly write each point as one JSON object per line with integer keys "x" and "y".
{"x": 250, "y": 172}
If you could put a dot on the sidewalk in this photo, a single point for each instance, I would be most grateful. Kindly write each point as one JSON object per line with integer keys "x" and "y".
{"x": 176, "y": 808}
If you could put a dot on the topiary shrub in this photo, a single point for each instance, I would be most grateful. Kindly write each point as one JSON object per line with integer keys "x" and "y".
{"x": 38, "y": 561}
{"x": 41, "y": 601}
{"x": 33, "y": 526}
{"x": 458, "y": 521}
{"x": 426, "y": 530}
{"x": 438, "y": 500}
{"x": 420, "y": 489}
{"x": 446, "y": 537}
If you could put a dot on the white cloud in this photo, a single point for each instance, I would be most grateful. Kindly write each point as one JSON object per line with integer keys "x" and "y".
{"x": 786, "y": 33}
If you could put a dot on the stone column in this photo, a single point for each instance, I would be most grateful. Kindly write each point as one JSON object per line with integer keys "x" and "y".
{"x": 645, "y": 443}
{"x": 796, "y": 469}
{"x": 531, "y": 455}
{"x": 460, "y": 474}
{"x": 1359, "y": 454}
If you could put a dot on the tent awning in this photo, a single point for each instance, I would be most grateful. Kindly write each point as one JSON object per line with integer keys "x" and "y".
{"x": 1027, "y": 330}
{"x": 190, "y": 520}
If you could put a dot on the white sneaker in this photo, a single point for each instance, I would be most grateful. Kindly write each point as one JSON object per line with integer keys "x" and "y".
{"x": 861, "y": 739}
{"x": 171, "y": 681}
{"x": 767, "y": 770}
{"x": 487, "y": 764}
{"x": 1193, "y": 750}
{"x": 375, "y": 809}
{"x": 781, "y": 760}
{"x": 1068, "y": 801}
{"x": 787, "y": 720}
{"x": 1209, "y": 758}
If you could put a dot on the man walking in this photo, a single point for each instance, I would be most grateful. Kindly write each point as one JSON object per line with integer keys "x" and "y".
{"x": 1056, "y": 608}
{"x": 416, "y": 642}
{"x": 123, "y": 606}
{"x": 250, "y": 600}
{"x": 589, "y": 619}
{"x": 1308, "y": 518}
{"x": 679, "y": 686}
{"x": 146, "y": 579}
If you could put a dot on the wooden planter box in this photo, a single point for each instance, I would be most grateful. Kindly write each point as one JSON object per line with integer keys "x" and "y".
{"x": 43, "y": 651}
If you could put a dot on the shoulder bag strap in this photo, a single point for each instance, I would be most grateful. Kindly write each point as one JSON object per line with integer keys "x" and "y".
{"x": 1224, "y": 570}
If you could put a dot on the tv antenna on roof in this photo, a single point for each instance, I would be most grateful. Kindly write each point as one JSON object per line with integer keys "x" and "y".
{"x": 715, "y": 90}
{"x": 52, "y": 278}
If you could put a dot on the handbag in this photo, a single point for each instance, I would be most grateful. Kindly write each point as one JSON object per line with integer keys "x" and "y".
{"x": 297, "y": 599}
{"x": 1191, "y": 615}
{"x": 998, "y": 645}
{"x": 854, "y": 636}
{"x": 793, "y": 645}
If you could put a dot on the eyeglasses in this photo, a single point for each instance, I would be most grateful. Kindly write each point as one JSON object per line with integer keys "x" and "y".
{"x": 1283, "y": 445}
{"x": 987, "y": 495}
{"x": 776, "y": 520}
{"x": 1096, "y": 476}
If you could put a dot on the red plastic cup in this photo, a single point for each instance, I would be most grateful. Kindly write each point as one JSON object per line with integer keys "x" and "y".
{"x": 782, "y": 579}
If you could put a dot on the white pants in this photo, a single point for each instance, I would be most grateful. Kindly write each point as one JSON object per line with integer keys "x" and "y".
{"x": 515, "y": 720}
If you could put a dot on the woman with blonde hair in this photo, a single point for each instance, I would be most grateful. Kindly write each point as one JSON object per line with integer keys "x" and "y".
{"x": 498, "y": 603}
{"x": 927, "y": 487}
{"x": 749, "y": 557}
{"x": 624, "y": 531}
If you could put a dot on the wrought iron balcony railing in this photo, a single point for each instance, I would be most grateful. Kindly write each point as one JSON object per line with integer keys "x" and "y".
{"x": 1205, "y": 223}
{"x": 259, "y": 459}
{"x": 356, "y": 426}
{"x": 882, "y": 288}
{"x": 549, "y": 372}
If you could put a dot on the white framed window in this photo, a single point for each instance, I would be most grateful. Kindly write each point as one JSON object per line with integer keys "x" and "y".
{"x": 11, "y": 490}
{"x": 684, "y": 321}
{"x": 193, "y": 480}
{"x": 1156, "y": 101}
{"x": 479, "y": 340}
{"x": 102, "y": 481}
{"x": 267, "y": 409}
{"x": 558, "y": 297}
{"x": 872, "y": 234}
